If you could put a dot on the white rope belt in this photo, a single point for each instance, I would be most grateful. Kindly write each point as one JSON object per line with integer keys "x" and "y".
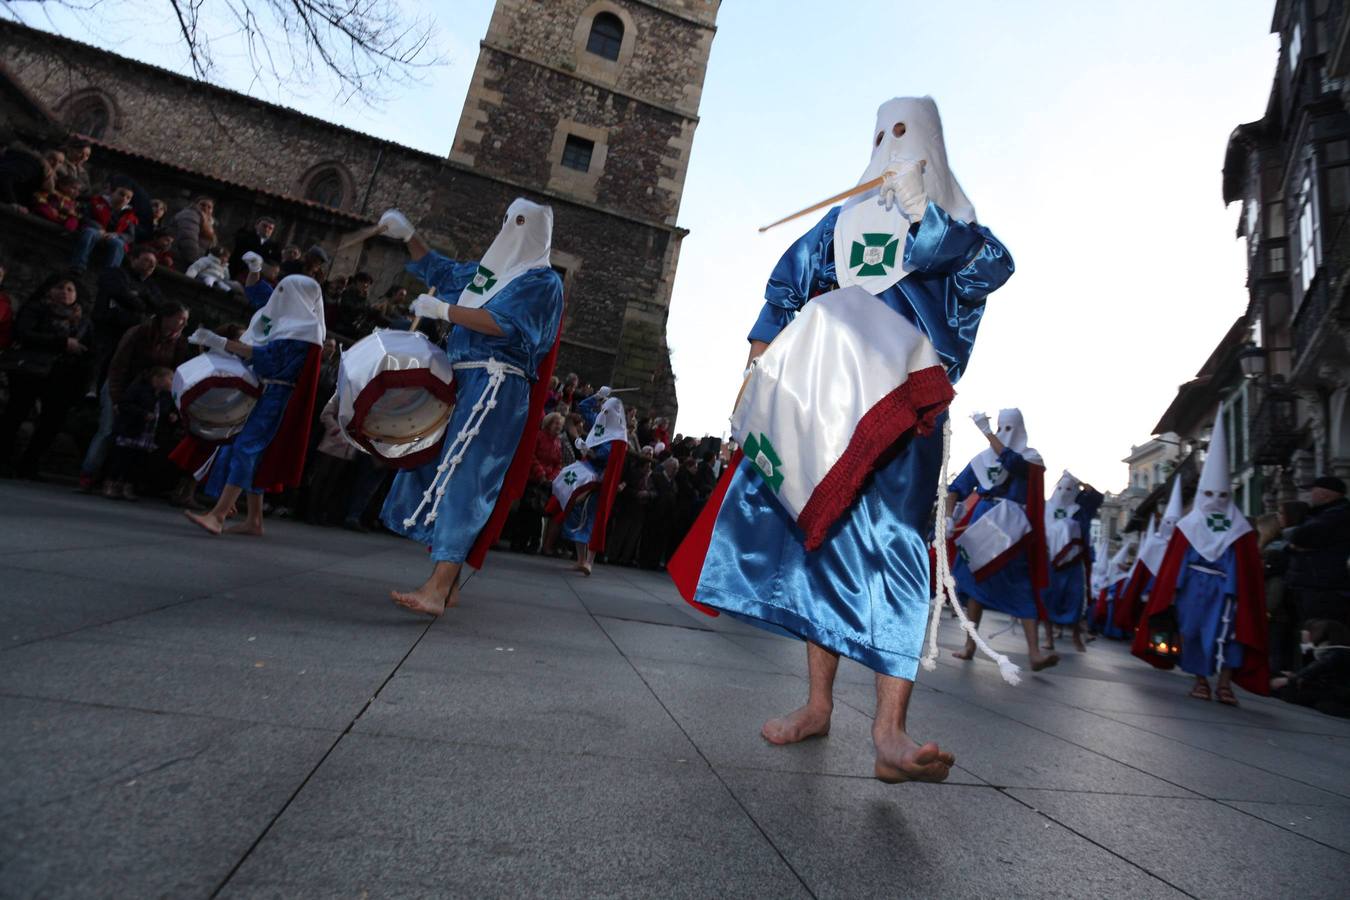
{"x": 944, "y": 587}
{"x": 454, "y": 454}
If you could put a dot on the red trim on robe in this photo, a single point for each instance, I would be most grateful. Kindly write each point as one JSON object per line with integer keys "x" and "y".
{"x": 283, "y": 462}
{"x": 518, "y": 473}
{"x": 192, "y": 453}
{"x": 915, "y": 404}
{"x": 1059, "y": 563}
{"x": 609, "y": 488}
{"x": 1251, "y": 627}
{"x": 210, "y": 384}
{"x": 685, "y": 565}
{"x": 1127, "y": 604}
{"x": 1099, "y": 610}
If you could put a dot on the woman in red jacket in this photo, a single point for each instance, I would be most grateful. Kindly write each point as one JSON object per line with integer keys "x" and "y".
{"x": 547, "y": 463}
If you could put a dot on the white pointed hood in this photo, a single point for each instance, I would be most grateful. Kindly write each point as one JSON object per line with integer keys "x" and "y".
{"x": 1061, "y": 529}
{"x": 869, "y": 240}
{"x": 1214, "y": 521}
{"x": 294, "y": 311}
{"x": 524, "y": 243}
{"x": 1012, "y": 432}
{"x": 610, "y": 425}
{"x": 1101, "y": 561}
{"x": 1121, "y": 564}
{"x": 1155, "y": 545}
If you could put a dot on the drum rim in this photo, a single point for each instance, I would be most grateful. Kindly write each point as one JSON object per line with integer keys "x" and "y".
{"x": 391, "y": 379}
{"x": 210, "y": 383}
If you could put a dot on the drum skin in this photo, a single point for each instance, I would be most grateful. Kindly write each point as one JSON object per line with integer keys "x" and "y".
{"x": 214, "y": 393}
{"x": 395, "y": 394}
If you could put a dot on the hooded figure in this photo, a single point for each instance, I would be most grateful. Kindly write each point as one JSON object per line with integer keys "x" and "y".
{"x": 583, "y": 493}
{"x": 1207, "y": 611}
{"x": 1068, "y": 522}
{"x": 1149, "y": 561}
{"x": 861, "y": 586}
{"x": 505, "y": 315}
{"x": 1114, "y": 578}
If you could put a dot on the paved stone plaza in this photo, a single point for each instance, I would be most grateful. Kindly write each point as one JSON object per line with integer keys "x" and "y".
{"x": 186, "y": 716}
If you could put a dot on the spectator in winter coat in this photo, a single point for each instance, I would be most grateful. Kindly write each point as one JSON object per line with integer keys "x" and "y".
{"x": 193, "y": 230}
{"x": 144, "y": 403}
{"x": 1318, "y": 553}
{"x": 127, "y": 296}
{"x": 23, "y": 173}
{"x": 254, "y": 239}
{"x": 58, "y": 205}
{"x": 111, "y": 223}
{"x": 52, "y": 336}
{"x": 1324, "y": 682}
{"x": 75, "y": 164}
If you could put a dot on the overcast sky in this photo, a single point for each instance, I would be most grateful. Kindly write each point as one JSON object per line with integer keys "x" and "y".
{"x": 1090, "y": 137}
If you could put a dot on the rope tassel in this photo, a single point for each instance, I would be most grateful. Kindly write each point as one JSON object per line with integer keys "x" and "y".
{"x": 944, "y": 587}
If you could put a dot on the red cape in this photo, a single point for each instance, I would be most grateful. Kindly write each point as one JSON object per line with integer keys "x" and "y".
{"x": 1254, "y": 675}
{"x": 685, "y": 566}
{"x": 192, "y": 453}
{"x": 609, "y": 488}
{"x": 518, "y": 473}
{"x": 1127, "y": 606}
{"x": 283, "y": 462}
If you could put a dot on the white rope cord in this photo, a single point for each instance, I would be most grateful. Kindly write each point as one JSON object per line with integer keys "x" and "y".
{"x": 1223, "y": 634}
{"x": 944, "y": 587}
{"x": 454, "y": 454}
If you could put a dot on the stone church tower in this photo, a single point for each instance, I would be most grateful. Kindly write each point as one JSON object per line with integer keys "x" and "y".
{"x": 594, "y": 103}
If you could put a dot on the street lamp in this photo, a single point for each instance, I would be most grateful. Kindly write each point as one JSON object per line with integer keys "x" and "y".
{"x": 1252, "y": 360}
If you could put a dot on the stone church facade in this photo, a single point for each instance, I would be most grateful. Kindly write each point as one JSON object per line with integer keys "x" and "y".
{"x": 589, "y": 106}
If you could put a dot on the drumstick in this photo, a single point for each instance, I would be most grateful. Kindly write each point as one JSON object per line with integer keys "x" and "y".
{"x": 362, "y": 236}
{"x": 842, "y": 195}
{"x": 417, "y": 320}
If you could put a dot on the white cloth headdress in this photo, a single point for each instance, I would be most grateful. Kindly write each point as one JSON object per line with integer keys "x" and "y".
{"x": 519, "y": 247}
{"x": 1012, "y": 432}
{"x": 869, "y": 240}
{"x": 610, "y": 424}
{"x": 1214, "y": 521}
{"x": 1155, "y": 545}
{"x": 1121, "y": 565}
{"x": 1061, "y": 529}
{"x": 1101, "y": 561}
{"x": 294, "y": 311}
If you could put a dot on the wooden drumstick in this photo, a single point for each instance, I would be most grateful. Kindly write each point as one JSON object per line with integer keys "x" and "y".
{"x": 829, "y": 201}
{"x": 417, "y": 320}
{"x": 362, "y": 236}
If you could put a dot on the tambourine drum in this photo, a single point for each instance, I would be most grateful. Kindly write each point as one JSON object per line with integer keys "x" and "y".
{"x": 988, "y": 542}
{"x": 214, "y": 393}
{"x": 395, "y": 395}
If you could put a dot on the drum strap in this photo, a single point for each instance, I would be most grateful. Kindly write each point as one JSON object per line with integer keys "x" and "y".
{"x": 454, "y": 454}
{"x": 944, "y": 587}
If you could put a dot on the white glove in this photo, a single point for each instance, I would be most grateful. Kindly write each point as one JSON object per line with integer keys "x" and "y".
{"x": 579, "y": 443}
{"x": 951, "y": 525}
{"x": 982, "y": 422}
{"x": 604, "y": 392}
{"x": 428, "y": 307}
{"x": 205, "y": 337}
{"x": 253, "y": 261}
{"x": 903, "y": 187}
{"x": 396, "y": 225}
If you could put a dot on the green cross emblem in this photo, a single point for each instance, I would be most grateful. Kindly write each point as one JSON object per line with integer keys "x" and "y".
{"x": 570, "y": 477}
{"x": 875, "y": 253}
{"x": 1061, "y": 514}
{"x": 993, "y": 473}
{"x": 762, "y": 453}
{"x": 599, "y": 430}
{"x": 483, "y": 280}
{"x": 1217, "y": 522}
{"x": 961, "y": 552}
{"x": 266, "y": 324}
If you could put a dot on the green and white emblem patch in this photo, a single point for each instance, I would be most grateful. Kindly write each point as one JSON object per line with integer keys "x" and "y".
{"x": 761, "y": 452}
{"x": 1061, "y": 513}
{"x": 483, "y": 280}
{"x": 266, "y": 324}
{"x": 1218, "y": 522}
{"x": 570, "y": 478}
{"x": 993, "y": 473}
{"x": 875, "y": 253}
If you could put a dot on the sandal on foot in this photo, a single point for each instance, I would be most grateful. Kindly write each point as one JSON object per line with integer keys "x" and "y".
{"x": 1200, "y": 691}
{"x": 1224, "y": 694}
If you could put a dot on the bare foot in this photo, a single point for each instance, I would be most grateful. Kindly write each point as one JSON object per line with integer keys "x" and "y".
{"x": 1078, "y": 643}
{"x": 1044, "y": 662}
{"x": 900, "y": 759}
{"x": 246, "y": 529}
{"x": 422, "y": 600}
{"x": 797, "y": 725}
{"x": 967, "y": 652}
{"x": 204, "y": 521}
{"x": 453, "y": 598}
{"x": 1049, "y": 646}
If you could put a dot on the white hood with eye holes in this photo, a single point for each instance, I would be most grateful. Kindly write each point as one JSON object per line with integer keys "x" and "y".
{"x": 869, "y": 240}
{"x": 1214, "y": 521}
{"x": 518, "y": 248}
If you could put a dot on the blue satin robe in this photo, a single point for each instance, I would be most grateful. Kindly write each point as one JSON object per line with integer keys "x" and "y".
{"x": 1108, "y": 627}
{"x": 581, "y": 519}
{"x": 236, "y": 462}
{"x": 1065, "y": 598}
{"x": 1009, "y": 589}
{"x": 865, "y": 592}
{"x": 1203, "y": 601}
{"x": 529, "y": 311}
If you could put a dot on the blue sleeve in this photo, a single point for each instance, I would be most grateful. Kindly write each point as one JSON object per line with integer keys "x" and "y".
{"x": 280, "y": 359}
{"x": 1013, "y": 462}
{"x": 969, "y": 254}
{"x": 589, "y": 410}
{"x": 804, "y": 270}
{"x": 529, "y": 315}
{"x": 449, "y": 277}
{"x": 1229, "y": 563}
{"x": 600, "y": 455}
{"x": 965, "y": 483}
{"x": 1089, "y": 501}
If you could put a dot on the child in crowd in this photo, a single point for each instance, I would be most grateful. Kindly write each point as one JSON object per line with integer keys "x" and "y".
{"x": 143, "y": 403}
{"x": 58, "y": 205}
{"x": 213, "y": 269}
{"x": 1324, "y": 682}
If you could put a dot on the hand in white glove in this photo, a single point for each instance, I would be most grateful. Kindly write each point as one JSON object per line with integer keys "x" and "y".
{"x": 982, "y": 422}
{"x": 604, "y": 392}
{"x": 396, "y": 225}
{"x": 205, "y": 337}
{"x": 579, "y": 443}
{"x": 428, "y": 307}
{"x": 903, "y": 187}
{"x": 253, "y": 261}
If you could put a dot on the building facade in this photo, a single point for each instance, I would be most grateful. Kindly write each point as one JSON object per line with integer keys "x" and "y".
{"x": 590, "y": 107}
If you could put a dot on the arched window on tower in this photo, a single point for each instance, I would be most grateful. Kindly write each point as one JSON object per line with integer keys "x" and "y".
{"x": 326, "y": 186}
{"x": 90, "y": 115}
{"x": 606, "y": 36}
